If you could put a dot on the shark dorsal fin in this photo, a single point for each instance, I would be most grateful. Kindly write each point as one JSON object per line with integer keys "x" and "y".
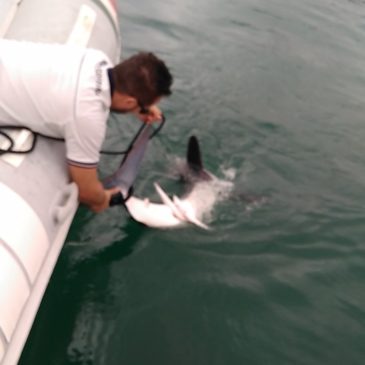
{"x": 194, "y": 160}
{"x": 193, "y": 155}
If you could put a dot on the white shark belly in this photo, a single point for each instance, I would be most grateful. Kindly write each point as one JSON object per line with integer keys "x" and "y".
{"x": 152, "y": 214}
{"x": 169, "y": 213}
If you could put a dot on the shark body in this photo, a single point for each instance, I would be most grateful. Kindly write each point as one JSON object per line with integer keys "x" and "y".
{"x": 199, "y": 198}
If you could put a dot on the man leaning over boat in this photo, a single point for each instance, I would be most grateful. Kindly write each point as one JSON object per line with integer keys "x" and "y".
{"x": 67, "y": 92}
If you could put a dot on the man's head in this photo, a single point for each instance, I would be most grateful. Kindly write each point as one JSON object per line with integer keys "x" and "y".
{"x": 139, "y": 82}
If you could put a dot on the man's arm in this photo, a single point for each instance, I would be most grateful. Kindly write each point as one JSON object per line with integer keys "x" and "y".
{"x": 91, "y": 190}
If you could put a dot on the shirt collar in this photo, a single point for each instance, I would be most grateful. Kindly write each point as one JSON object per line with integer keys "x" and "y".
{"x": 111, "y": 81}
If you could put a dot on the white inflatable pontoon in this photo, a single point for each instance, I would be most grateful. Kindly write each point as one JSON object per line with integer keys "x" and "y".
{"x": 37, "y": 201}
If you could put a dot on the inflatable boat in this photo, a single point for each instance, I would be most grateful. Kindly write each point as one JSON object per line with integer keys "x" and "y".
{"x": 37, "y": 200}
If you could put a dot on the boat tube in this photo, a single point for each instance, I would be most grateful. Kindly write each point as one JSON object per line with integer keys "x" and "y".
{"x": 37, "y": 200}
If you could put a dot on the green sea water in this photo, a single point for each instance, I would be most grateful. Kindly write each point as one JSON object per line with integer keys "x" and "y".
{"x": 275, "y": 92}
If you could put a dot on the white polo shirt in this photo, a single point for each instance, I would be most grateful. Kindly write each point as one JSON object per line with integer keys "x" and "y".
{"x": 57, "y": 90}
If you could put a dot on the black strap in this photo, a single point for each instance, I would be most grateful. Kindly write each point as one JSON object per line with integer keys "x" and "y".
{"x": 10, "y": 148}
{"x": 11, "y": 143}
{"x": 118, "y": 198}
{"x": 125, "y": 152}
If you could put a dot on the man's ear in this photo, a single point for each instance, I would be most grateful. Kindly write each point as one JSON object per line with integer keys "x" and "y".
{"x": 130, "y": 101}
{"x": 124, "y": 100}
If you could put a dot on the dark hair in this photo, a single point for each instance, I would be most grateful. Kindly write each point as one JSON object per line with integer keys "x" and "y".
{"x": 143, "y": 76}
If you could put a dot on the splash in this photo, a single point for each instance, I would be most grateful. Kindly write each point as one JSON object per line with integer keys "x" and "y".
{"x": 205, "y": 195}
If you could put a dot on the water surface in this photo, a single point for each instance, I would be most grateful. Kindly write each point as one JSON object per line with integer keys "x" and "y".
{"x": 275, "y": 92}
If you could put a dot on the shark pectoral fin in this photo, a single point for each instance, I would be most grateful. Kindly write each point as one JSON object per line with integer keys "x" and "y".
{"x": 167, "y": 201}
{"x": 199, "y": 223}
{"x": 189, "y": 216}
{"x": 180, "y": 207}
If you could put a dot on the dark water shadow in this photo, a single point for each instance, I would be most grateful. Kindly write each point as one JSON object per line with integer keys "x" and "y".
{"x": 73, "y": 286}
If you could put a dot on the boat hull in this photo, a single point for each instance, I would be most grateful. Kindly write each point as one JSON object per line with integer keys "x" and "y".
{"x": 38, "y": 202}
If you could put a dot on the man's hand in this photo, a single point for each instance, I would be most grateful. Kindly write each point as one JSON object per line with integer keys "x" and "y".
{"x": 106, "y": 202}
{"x": 91, "y": 190}
{"x": 154, "y": 115}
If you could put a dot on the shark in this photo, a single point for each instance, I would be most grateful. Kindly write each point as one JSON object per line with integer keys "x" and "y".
{"x": 202, "y": 188}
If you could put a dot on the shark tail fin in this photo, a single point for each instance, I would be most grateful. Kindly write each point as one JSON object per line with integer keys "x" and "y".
{"x": 128, "y": 170}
